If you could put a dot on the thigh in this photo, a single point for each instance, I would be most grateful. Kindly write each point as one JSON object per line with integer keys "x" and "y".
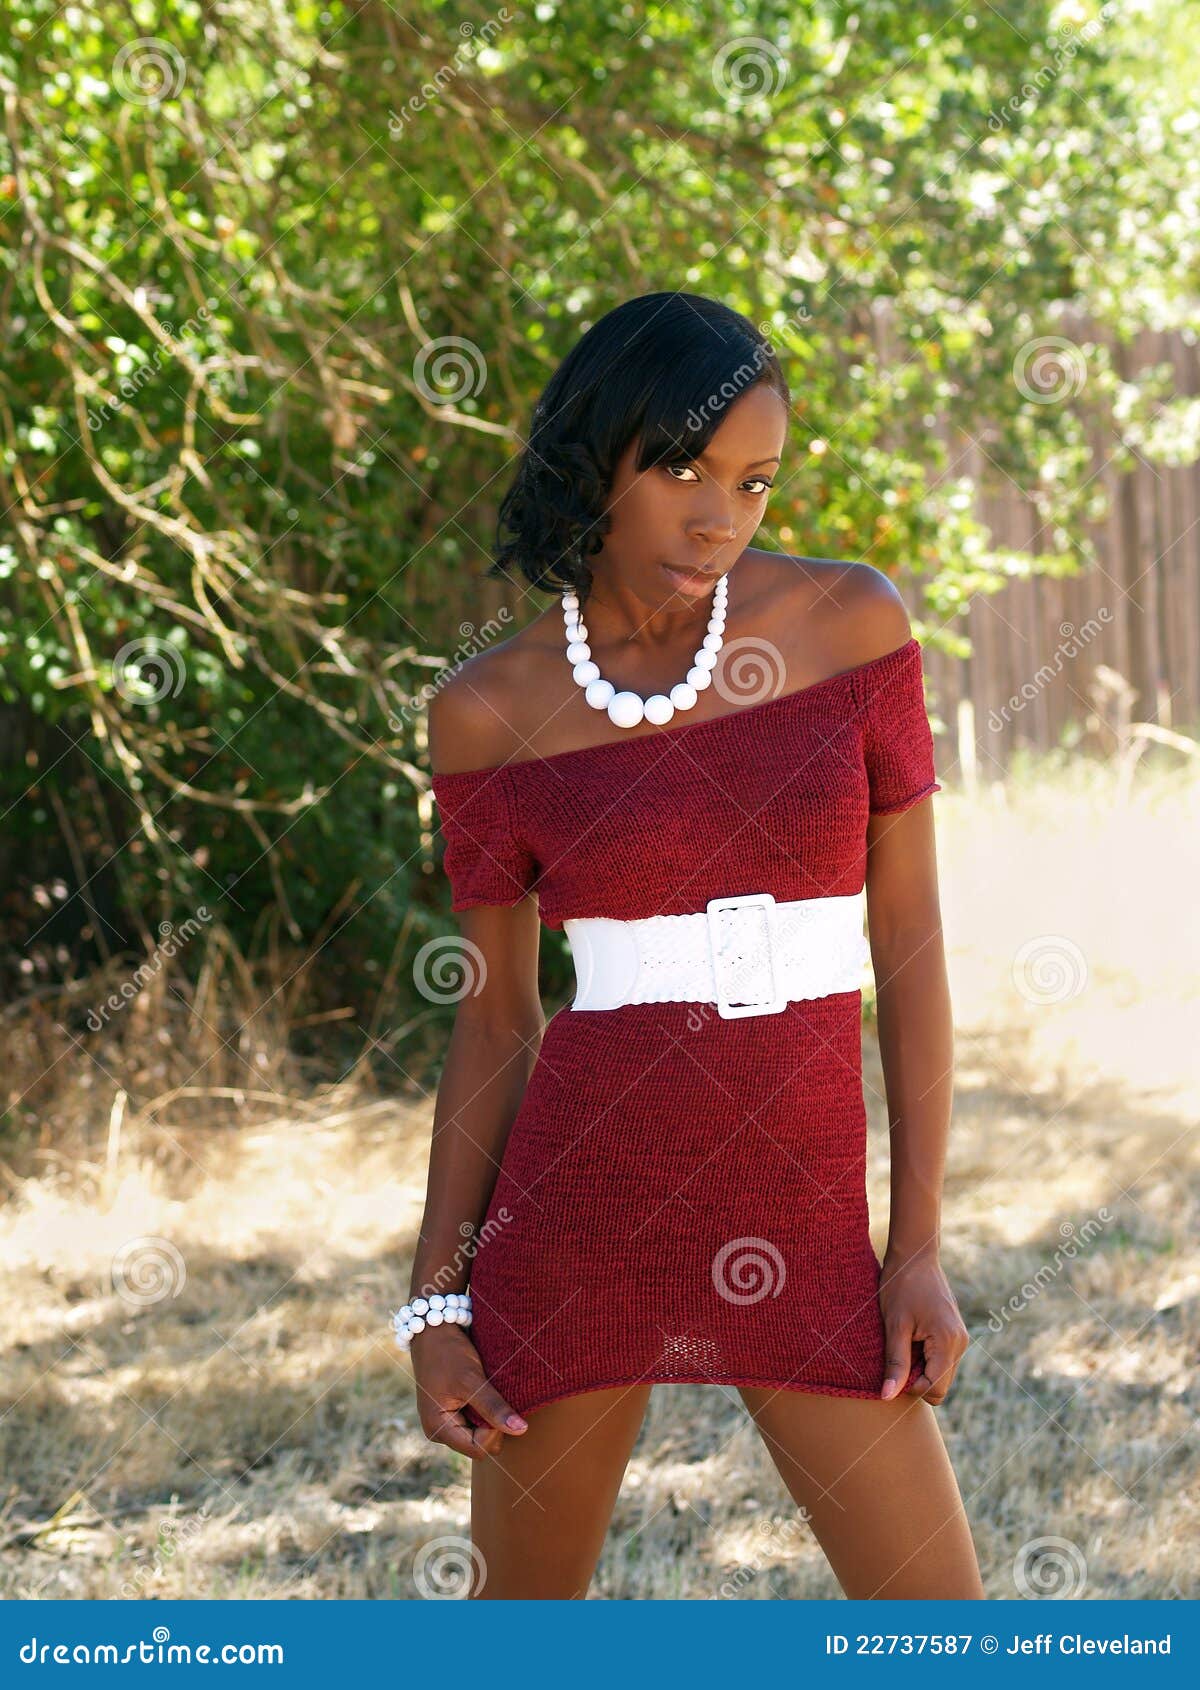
{"x": 875, "y": 1481}
{"x": 540, "y": 1508}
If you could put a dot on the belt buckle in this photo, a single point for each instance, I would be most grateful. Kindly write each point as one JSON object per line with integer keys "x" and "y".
{"x": 729, "y": 1010}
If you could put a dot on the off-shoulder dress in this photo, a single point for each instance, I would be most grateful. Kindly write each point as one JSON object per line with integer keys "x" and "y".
{"x": 681, "y": 1196}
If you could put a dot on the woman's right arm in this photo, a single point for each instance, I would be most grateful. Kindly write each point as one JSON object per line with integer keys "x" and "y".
{"x": 497, "y": 1032}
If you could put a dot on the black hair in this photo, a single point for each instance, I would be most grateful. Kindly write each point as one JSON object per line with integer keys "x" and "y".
{"x": 664, "y": 367}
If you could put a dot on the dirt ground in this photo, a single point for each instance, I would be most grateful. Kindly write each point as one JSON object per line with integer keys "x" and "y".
{"x": 235, "y": 1419}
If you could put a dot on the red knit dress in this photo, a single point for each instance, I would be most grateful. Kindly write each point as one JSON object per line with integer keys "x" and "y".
{"x": 682, "y": 1197}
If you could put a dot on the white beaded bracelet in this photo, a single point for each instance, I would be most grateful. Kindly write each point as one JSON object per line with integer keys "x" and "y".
{"x": 454, "y": 1309}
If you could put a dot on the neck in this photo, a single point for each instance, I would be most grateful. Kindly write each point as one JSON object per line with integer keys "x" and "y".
{"x": 627, "y": 619}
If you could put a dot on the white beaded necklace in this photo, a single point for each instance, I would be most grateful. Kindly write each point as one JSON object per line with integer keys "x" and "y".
{"x": 627, "y": 709}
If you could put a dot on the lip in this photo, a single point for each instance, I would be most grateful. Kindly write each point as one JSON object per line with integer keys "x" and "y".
{"x": 684, "y": 581}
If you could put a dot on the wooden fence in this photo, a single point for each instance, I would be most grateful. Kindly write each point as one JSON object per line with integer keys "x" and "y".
{"x": 1107, "y": 659}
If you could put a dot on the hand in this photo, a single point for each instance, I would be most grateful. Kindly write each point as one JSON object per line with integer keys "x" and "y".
{"x": 449, "y": 1373}
{"x": 918, "y": 1306}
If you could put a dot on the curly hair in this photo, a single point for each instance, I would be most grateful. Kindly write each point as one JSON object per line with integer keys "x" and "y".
{"x": 663, "y": 367}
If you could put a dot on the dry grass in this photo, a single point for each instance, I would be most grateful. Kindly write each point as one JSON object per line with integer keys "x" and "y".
{"x": 241, "y": 1424}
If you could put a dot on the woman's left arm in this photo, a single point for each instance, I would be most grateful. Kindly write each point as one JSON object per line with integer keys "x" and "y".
{"x": 916, "y": 1046}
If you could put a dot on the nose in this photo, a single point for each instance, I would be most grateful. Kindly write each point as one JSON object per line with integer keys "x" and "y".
{"x": 713, "y": 523}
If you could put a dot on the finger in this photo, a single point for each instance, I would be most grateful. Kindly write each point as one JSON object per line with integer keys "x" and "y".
{"x": 898, "y": 1350}
{"x": 934, "y": 1391}
{"x": 453, "y": 1431}
{"x": 488, "y": 1440}
{"x": 940, "y": 1360}
{"x": 941, "y": 1356}
{"x": 491, "y": 1407}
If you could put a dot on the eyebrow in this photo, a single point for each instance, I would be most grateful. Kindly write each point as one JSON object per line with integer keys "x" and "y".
{"x": 757, "y": 464}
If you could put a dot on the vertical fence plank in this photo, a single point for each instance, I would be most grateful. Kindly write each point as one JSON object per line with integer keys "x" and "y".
{"x": 1146, "y": 578}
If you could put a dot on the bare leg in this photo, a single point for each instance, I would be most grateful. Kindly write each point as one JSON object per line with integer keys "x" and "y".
{"x": 540, "y": 1508}
{"x": 878, "y": 1488}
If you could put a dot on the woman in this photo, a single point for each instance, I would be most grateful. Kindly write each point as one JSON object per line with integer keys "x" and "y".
{"x": 667, "y": 1182}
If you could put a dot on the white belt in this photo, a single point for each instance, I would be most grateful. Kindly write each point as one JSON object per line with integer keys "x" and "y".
{"x": 749, "y": 955}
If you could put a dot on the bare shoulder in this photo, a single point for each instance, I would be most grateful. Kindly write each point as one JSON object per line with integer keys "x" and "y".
{"x": 473, "y": 714}
{"x": 876, "y": 613}
{"x": 842, "y": 613}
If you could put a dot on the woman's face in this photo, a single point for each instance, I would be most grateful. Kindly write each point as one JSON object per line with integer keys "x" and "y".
{"x": 697, "y": 516}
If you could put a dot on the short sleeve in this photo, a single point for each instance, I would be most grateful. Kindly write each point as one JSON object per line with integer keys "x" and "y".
{"x": 897, "y": 738}
{"x": 484, "y": 858}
